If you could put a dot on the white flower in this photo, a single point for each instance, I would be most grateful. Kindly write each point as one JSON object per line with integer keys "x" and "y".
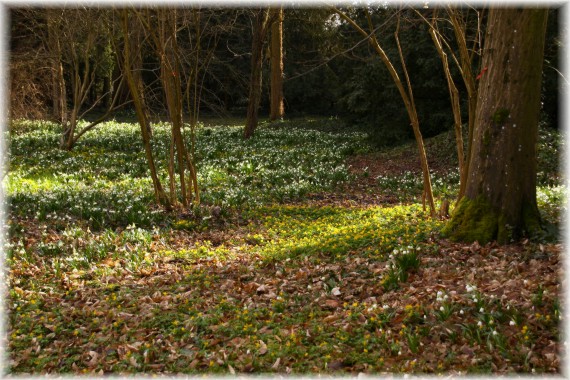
{"x": 481, "y": 310}
{"x": 461, "y": 311}
{"x": 385, "y": 307}
{"x": 495, "y": 333}
{"x": 512, "y": 323}
{"x": 442, "y": 308}
{"x": 479, "y": 323}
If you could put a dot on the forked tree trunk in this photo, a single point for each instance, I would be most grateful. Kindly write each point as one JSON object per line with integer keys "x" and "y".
{"x": 259, "y": 32}
{"x": 500, "y": 198}
{"x": 466, "y": 60}
{"x": 131, "y": 67}
{"x": 405, "y": 93}
{"x": 455, "y": 101}
{"x": 277, "y": 107}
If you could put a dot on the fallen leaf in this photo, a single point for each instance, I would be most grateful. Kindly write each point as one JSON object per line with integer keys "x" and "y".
{"x": 262, "y": 348}
{"x": 93, "y": 361}
{"x": 332, "y": 303}
{"x": 276, "y": 364}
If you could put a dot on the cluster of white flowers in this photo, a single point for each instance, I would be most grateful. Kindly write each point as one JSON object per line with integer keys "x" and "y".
{"x": 441, "y": 296}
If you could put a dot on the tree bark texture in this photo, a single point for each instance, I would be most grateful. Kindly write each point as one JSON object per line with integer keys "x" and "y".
{"x": 259, "y": 32}
{"x": 500, "y": 197}
{"x": 277, "y": 107}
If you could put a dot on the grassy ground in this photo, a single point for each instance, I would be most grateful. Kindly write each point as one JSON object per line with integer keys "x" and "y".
{"x": 310, "y": 254}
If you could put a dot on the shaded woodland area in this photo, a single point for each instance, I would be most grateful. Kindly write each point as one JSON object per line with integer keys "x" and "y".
{"x": 288, "y": 189}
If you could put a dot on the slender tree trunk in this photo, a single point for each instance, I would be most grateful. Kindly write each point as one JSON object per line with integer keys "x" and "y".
{"x": 500, "y": 198}
{"x": 277, "y": 106}
{"x": 455, "y": 101}
{"x": 407, "y": 98}
{"x": 59, "y": 103}
{"x": 259, "y": 32}
{"x": 134, "y": 82}
{"x": 466, "y": 60}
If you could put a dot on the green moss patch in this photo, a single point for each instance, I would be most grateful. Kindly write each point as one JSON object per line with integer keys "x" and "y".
{"x": 472, "y": 220}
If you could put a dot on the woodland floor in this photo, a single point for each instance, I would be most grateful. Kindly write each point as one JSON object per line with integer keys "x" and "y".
{"x": 391, "y": 304}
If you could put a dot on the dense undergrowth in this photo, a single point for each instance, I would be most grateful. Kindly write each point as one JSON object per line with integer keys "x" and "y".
{"x": 280, "y": 279}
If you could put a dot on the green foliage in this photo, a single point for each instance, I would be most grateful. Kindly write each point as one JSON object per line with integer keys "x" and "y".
{"x": 104, "y": 180}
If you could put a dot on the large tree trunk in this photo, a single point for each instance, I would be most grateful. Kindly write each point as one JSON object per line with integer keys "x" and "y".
{"x": 259, "y": 32}
{"x": 277, "y": 108}
{"x": 500, "y": 198}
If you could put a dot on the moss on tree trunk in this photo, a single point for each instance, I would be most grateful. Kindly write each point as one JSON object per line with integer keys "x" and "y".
{"x": 477, "y": 220}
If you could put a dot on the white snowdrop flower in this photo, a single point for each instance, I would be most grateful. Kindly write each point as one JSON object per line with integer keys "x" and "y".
{"x": 479, "y": 323}
{"x": 481, "y": 310}
{"x": 442, "y": 308}
{"x": 475, "y": 299}
{"x": 495, "y": 333}
{"x": 445, "y": 297}
{"x": 395, "y": 252}
{"x": 385, "y": 307}
{"x": 399, "y": 353}
{"x": 525, "y": 282}
{"x": 461, "y": 312}
{"x": 512, "y": 323}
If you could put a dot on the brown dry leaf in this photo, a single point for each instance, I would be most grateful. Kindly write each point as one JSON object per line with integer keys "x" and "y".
{"x": 331, "y": 318}
{"x": 94, "y": 359}
{"x": 332, "y": 303}
{"x": 263, "y": 348}
{"x": 133, "y": 362}
{"x": 276, "y": 364}
{"x": 262, "y": 289}
{"x": 231, "y": 369}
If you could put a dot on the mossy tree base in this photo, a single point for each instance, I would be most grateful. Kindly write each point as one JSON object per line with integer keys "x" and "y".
{"x": 477, "y": 220}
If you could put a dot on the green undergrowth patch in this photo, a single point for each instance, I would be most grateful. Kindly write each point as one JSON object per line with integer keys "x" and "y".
{"x": 104, "y": 180}
{"x": 289, "y": 231}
